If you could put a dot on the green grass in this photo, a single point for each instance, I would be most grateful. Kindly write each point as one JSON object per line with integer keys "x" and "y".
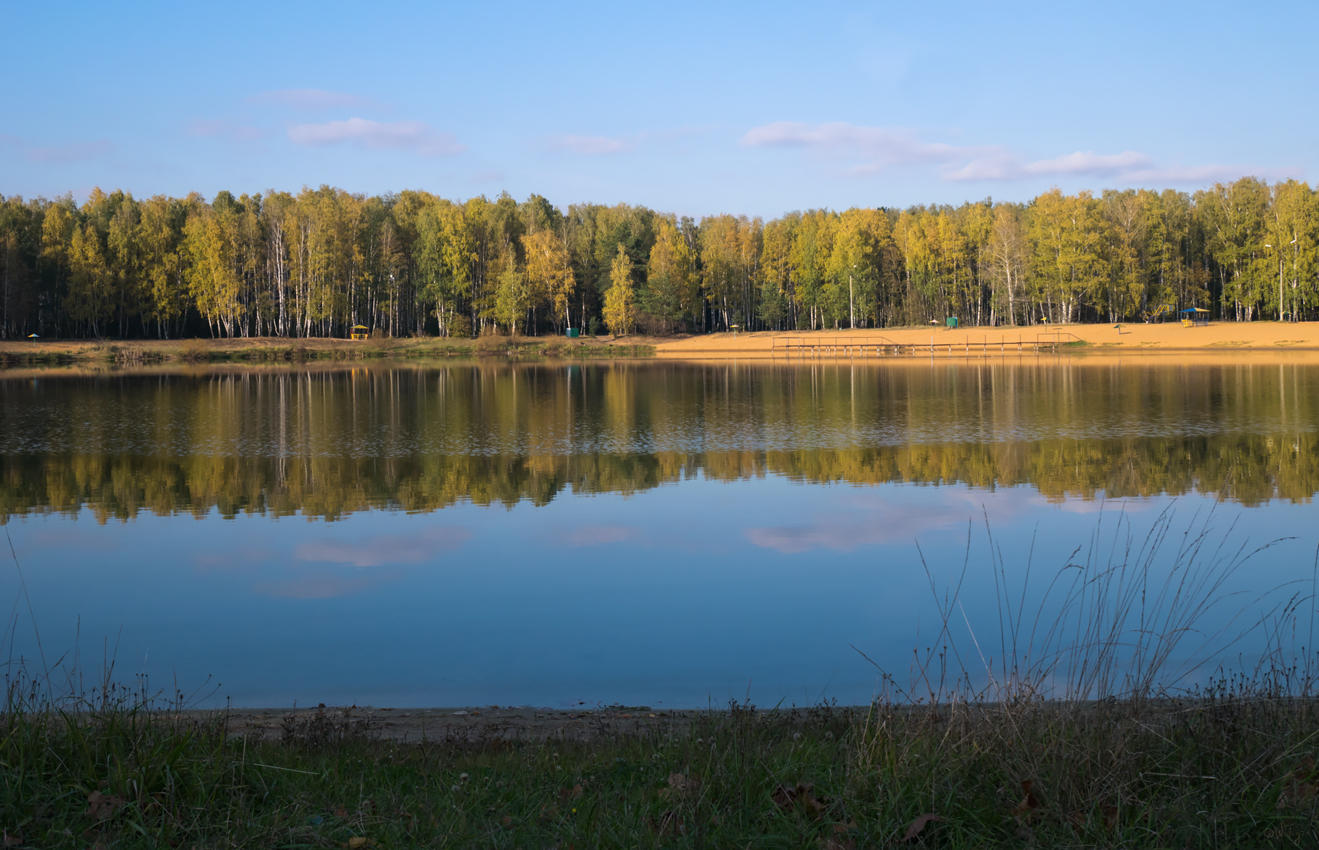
{"x": 1226, "y": 769}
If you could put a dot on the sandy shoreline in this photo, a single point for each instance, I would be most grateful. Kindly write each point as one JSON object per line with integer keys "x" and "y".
{"x": 1293, "y": 341}
{"x": 1135, "y": 339}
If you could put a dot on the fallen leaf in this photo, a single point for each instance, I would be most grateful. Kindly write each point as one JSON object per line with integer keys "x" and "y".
{"x": 506, "y": 821}
{"x": 803, "y": 794}
{"x": 341, "y": 812}
{"x": 1110, "y": 816}
{"x": 12, "y": 840}
{"x": 102, "y": 806}
{"x": 784, "y": 796}
{"x": 914, "y": 828}
{"x": 572, "y": 793}
{"x": 1030, "y": 802}
{"x": 357, "y": 842}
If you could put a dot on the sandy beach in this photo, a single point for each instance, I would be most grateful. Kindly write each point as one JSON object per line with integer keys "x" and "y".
{"x": 1124, "y": 339}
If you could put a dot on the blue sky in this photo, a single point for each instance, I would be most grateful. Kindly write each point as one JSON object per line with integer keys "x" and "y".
{"x": 755, "y": 108}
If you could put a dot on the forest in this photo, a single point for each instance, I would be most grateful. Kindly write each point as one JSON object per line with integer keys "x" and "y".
{"x": 322, "y": 261}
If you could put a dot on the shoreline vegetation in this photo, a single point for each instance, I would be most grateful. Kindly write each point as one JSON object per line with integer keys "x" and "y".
{"x": 1081, "y": 729}
{"x": 324, "y": 262}
{"x": 263, "y": 350}
{"x": 1297, "y": 338}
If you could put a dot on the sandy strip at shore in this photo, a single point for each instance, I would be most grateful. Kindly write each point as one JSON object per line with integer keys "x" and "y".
{"x": 1169, "y": 337}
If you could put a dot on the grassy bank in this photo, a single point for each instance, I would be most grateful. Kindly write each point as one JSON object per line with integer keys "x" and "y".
{"x": 1230, "y": 768}
{"x": 266, "y": 350}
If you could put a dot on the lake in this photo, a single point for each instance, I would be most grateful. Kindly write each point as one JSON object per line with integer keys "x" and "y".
{"x": 658, "y": 533}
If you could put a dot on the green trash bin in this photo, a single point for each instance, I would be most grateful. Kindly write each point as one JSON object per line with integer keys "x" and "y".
{"x": 951, "y": 321}
{"x": 572, "y": 333}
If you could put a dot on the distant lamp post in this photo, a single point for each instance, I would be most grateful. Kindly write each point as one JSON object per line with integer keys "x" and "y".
{"x": 851, "y": 304}
{"x": 1267, "y": 245}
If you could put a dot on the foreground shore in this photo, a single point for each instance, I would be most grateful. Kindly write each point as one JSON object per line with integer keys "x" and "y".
{"x": 1227, "y": 769}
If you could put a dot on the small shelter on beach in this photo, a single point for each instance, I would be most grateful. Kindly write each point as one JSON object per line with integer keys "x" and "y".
{"x": 1195, "y": 317}
{"x": 359, "y": 332}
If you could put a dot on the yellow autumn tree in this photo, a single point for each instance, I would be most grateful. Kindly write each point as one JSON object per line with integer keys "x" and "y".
{"x": 620, "y": 310}
{"x": 549, "y": 272}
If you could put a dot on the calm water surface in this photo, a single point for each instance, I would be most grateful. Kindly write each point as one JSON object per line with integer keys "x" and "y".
{"x": 641, "y": 532}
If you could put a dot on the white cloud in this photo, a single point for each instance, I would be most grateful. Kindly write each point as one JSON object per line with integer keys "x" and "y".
{"x": 313, "y": 100}
{"x": 880, "y": 146}
{"x": 872, "y": 150}
{"x": 1206, "y": 174}
{"x": 1089, "y": 162}
{"x": 382, "y": 550}
{"x": 590, "y": 145}
{"x": 1128, "y": 167}
{"x": 883, "y": 522}
{"x": 1004, "y": 166}
{"x": 412, "y": 136}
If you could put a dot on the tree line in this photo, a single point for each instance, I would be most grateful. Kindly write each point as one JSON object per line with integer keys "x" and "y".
{"x": 324, "y": 260}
